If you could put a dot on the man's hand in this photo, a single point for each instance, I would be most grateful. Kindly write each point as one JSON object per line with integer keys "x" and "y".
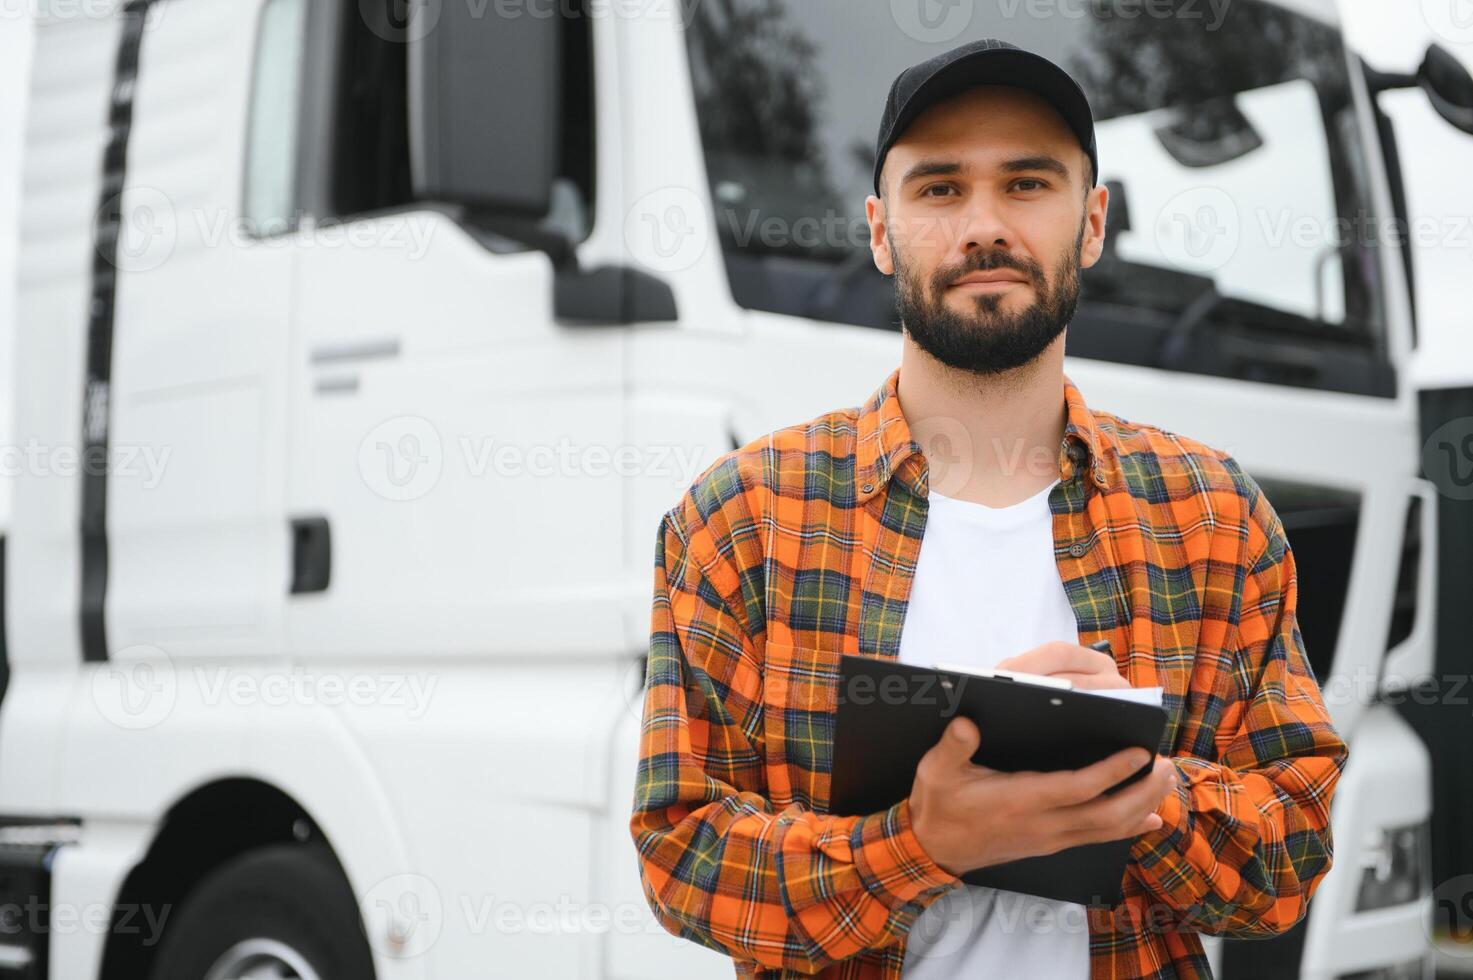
{"x": 967, "y": 816}
{"x": 1087, "y": 669}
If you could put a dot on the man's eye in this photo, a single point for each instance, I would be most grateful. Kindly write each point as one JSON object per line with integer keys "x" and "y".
{"x": 1037, "y": 184}
{"x": 936, "y": 187}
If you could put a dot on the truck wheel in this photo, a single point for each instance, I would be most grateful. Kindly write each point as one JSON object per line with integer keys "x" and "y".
{"x": 281, "y": 912}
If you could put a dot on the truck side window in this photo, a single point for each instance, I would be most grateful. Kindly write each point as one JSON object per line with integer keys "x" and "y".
{"x": 370, "y": 136}
{"x": 271, "y": 161}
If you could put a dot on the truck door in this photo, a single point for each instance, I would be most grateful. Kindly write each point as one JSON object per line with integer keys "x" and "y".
{"x": 449, "y": 439}
{"x": 454, "y": 485}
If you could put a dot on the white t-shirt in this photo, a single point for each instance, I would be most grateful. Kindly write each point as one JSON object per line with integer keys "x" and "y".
{"x": 987, "y": 587}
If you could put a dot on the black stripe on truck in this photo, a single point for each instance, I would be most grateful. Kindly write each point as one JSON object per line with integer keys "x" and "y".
{"x": 95, "y": 408}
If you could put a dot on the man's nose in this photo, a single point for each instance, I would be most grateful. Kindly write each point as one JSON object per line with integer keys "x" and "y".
{"x": 981, "y": 225}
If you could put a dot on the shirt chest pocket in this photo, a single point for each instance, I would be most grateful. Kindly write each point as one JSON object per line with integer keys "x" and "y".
{"x": 800, "y": 690}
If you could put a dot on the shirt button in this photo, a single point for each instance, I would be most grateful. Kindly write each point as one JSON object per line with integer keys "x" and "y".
{"x": 1078, "y": 548}
{"x": 867, "y": 487}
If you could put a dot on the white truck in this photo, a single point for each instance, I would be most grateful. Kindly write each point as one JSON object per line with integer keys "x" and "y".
{"x": 360, "y": 346}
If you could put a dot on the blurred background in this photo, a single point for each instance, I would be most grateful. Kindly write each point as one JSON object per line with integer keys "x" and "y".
{"x": 354, "y": 348}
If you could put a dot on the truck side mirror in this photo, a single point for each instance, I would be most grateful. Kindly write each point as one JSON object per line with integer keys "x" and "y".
{"x": 484, "y": 103}
{"x": 485, "y": 118}
{"x": 1448, "y": 85}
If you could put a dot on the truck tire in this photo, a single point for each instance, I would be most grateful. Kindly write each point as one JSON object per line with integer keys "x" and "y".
{"x": 280, "y": 911}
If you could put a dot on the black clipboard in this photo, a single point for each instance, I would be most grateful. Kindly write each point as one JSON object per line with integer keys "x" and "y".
{"x": 890, "y": 714}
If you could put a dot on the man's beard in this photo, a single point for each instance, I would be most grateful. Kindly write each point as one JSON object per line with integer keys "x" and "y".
{"x": 988, "y": 341}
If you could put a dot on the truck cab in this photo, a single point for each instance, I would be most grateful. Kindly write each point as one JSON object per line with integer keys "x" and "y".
{"x": 380, "y": 337}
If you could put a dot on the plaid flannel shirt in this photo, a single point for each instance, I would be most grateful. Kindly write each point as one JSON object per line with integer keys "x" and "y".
{"x": 801, "y": 546}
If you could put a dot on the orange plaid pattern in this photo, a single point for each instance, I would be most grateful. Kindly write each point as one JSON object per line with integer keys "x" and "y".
{"x": 801, "y": 546}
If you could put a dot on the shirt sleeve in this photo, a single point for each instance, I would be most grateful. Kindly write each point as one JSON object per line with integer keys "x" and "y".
{"x": 786, "y": 888}
{"x": 1245, "y": 836}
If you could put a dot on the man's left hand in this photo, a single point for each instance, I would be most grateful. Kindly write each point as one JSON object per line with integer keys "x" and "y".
{"x": 1085, "y": 668}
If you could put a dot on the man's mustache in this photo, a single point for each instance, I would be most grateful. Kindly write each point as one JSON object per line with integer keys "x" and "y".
{"x": 989, "y": 262}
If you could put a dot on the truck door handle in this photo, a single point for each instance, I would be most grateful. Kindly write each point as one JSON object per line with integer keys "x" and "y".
{"x": 311, "y": 554}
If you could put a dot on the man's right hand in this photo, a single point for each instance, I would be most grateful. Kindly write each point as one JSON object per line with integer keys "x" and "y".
{"x": 967, "y": 816}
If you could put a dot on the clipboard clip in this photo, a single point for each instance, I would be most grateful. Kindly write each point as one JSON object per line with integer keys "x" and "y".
{"x": 1040, "y": 680}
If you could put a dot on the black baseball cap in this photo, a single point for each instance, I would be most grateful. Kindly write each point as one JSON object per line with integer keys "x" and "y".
{"x": 985, "y": 62}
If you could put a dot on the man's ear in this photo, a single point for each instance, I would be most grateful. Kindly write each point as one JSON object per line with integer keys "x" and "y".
{"x": 879, "y": 241}
{"x": 1096, "y": 205}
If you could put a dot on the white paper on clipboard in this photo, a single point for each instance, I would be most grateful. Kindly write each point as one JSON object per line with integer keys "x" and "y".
{"x": 1140, "y": 695}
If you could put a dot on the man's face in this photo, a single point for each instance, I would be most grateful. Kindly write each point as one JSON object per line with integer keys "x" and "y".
{"x": 986, "y": 224}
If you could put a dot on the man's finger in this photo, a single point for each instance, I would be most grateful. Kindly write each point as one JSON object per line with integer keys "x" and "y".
{"x": 1067, "y": 788}
{"x": 1094, "y": 682}
{"x": 1060, "y": 658}
{"x": 1118, "y": 811}
{"x": 958, "y": 743}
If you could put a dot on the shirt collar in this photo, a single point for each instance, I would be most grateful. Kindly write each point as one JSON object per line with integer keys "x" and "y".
{"x": 885, "y": 445}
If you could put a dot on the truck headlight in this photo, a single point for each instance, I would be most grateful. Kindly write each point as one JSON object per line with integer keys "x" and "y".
{"x": 1395, "y": 867}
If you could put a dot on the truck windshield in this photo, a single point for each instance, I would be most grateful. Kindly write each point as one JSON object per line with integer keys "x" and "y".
{"x": 1229, "y": 141}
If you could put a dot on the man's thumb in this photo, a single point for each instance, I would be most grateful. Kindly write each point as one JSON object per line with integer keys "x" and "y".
{"x": 960, "y": 740}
